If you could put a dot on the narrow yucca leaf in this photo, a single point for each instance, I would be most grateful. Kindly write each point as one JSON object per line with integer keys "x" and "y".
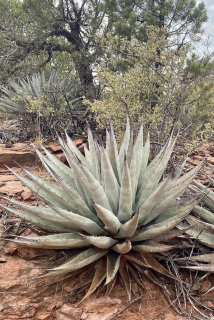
{"x": 128, "y": 229}
{"x": 123, "y": 247}
{"x": 111, "y": 222}
{"x": 40, "y": 222}
{"x": 125, "y": 202}
{"x": 110, "y": 182}
{"x": 102, "y": 242}
{"x": 56, "y": 241}
{"x": 113, "y": 263}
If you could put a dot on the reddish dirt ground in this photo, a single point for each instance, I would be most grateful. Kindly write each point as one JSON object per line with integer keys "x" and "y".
{"x": 24, "y": 298}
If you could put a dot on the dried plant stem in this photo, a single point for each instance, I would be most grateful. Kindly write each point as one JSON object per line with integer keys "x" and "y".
{"x": 126, "y": 307}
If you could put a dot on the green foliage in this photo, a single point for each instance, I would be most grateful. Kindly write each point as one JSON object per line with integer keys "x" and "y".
{"x": 48, "y": 99}
{"x": 183, "y": 19}
{"x": 153, "y": 83}
{"x": 111, "y": 205}
{"x": 35, "y": 32}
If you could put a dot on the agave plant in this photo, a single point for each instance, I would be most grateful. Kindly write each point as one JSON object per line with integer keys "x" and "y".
{"x": 16, "y": 97}
{"x": 202, "y": 228}
{"x": 112, "y": 207}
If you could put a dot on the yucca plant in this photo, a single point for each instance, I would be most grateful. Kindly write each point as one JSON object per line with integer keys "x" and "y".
{"x": 19, "y": 95}
{"x": 112, "y": 207}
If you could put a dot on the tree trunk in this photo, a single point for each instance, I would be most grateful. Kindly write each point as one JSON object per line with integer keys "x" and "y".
{"x": 86, "y": 77}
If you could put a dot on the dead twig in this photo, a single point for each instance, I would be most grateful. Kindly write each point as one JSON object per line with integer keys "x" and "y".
{"x": 126, "y": 307}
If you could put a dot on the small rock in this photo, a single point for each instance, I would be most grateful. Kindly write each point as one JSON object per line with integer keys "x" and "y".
{"x": 26, "y": 195}
{"x": 43, "y": 316}
{"x": 32, "y": 253}
{"x": 67, "y": 312}
{"x": 61, "y": 157}
{"x": 8, "y": 177}
{"x": 56, "y": 305}
{"x": 54, "y": 147}
{"x": 2, "y": 260}
{"x": 210, "y": 304}
{"x": 20, "y": 153}
{"x": 210, "y": 160}
{"x": 84, "y": 316}
{"x": 10, "y": 248}
{"x": 205, "y": 286}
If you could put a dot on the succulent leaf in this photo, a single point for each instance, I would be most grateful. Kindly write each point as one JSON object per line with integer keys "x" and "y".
{"x": 123, "y": 247}
{"x": 110, "y": 182}
{"x": 128, "y": 229}
{"x": 111, "y": 222}
{"x": 102, "y": 242}
{"x": 125, "y": 202}
{"x": 57, "y": 241}
{"x": 151, "y": 246}
{"x": 113, "y": 264}
{"x": 40, "y": 222}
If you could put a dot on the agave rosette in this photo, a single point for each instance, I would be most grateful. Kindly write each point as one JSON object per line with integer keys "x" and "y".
{"x": 202, "y": 228}
{"x": 114, "y": 207}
